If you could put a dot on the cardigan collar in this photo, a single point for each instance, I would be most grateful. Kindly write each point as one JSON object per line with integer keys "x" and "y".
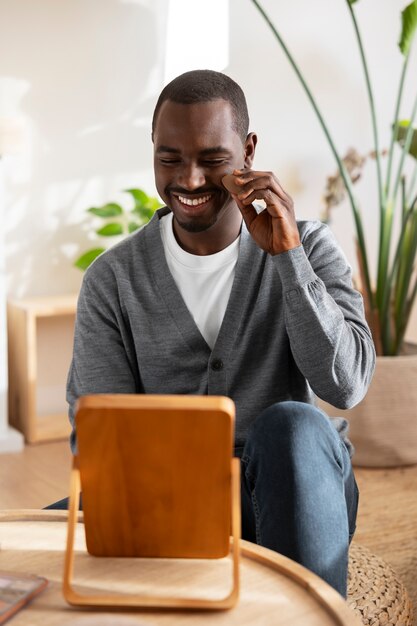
{"x": 251, "y": 257}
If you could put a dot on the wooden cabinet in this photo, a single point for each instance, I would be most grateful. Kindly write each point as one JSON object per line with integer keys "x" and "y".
{"x": 40, "y": 337}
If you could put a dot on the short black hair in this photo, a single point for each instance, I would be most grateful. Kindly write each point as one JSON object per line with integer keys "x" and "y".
{"x": 205, "y": 86}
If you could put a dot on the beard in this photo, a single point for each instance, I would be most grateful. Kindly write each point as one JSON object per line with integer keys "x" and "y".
{"x": 196, "y": 226}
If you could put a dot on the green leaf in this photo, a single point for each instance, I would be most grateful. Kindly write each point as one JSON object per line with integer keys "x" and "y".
{"x": 145, "y": 206}
{"x": 409, "y": 25}
{"x": 140, "y": 197}
{"x": 132, "y": 226}
{"x": 154, "y": 204}
{"x": 107, "y": 210}
{"x": 352, "y": 2}
{"x": 143, "y": 212}
{"x": 88, "y": 257}
{"x": 401, "y": 135}
{"x": 109, "y": 230}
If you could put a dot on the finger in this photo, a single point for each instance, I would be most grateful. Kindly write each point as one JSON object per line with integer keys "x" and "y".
{"x": 244, "y": 177}
{"x": 257, "y": 184}
{"x": 274, "y": 204}
{"x": 249, "y": 213}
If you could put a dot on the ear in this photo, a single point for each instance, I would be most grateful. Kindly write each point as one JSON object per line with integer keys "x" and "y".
{"x": 250, "y": 146}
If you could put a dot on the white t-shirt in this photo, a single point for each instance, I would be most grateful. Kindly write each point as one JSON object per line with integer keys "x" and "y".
{"x": 204, "y": 282}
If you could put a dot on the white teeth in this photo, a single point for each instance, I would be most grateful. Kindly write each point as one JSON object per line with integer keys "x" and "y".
{"x": 194, "y": 201}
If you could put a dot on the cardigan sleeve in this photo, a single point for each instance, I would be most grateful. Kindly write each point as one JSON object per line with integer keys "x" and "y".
{"x": 102, "y": 360}
{"x": 324, "y": 315}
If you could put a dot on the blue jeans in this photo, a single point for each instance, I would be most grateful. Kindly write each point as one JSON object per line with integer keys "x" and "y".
{"x": 299, "y": 494}
{"x": 298, "y": 491}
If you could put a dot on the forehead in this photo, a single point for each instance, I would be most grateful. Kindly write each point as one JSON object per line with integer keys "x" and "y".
{"x": 200, "y": 124}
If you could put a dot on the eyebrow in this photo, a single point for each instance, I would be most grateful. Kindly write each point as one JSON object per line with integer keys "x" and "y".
{"x": 215, "y": 150}
{"x": 206, "y": 151}
{"x": 167, "y": 149}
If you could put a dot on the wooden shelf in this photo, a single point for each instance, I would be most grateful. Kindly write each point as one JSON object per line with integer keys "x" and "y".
{"x": 34, "y": 359}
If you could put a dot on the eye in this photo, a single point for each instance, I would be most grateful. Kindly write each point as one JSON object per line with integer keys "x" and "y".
{"x": 169, "y": 161}
{"x": 214, "y": 162}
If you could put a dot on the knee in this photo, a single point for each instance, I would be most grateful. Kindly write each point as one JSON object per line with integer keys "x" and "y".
{"x": 288, "y": 425}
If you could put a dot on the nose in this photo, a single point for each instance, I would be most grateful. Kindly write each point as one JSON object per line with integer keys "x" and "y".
{"x": 191, "y": 176}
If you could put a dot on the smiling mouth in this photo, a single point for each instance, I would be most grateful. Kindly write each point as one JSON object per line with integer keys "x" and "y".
{"x": 194, "y": 202}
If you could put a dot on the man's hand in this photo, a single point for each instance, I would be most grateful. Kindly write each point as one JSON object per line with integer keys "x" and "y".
{"x": 274, "y": 229}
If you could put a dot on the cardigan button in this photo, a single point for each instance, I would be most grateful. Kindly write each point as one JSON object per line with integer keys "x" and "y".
{"x": 217, "y": 365}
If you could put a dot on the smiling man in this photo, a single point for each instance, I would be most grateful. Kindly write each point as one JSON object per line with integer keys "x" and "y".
{"x": 195, "y": 145}
{"x": 216, "y": 296}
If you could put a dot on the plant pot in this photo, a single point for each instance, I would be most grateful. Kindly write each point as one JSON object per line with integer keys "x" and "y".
{"x": 383, "y": 427}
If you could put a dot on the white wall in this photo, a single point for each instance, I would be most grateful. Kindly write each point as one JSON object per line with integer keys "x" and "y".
{"x": 87, "y": 73}
{"x": 84, "y": 75}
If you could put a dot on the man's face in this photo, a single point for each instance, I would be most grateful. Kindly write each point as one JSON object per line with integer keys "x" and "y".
{"x": 195, "y": 145}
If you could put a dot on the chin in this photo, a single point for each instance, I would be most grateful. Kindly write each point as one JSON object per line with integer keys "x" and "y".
{"x": 195, "y": 226}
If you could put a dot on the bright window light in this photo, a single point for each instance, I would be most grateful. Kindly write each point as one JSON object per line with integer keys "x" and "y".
{"x": 197, "y": 36}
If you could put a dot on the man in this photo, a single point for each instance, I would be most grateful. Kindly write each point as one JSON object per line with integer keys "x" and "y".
{"x": 215, "y": 296}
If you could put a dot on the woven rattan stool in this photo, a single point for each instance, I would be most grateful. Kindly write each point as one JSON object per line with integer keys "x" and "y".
{"x": 375, "y": 592}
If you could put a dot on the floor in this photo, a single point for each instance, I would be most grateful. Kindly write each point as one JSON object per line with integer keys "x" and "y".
{"x": 387, "y": 519}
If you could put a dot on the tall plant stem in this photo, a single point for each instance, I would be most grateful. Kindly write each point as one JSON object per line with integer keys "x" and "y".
{"x": 410, "y": 304}
{"x": 384, "y": 283}
{"x": 389, "y": 283}
{"x": 384, "y": 219}
{"x": 381, "y": 192}
{"x": 405, "y": 149}
{"x": 395, "y": 125}
{"x": 386, "y": 316}
{"x": 412, "y": 185}
{"x": 385, "y": 227}
{"x": 345, "y": 175}
{"x": 404, "y": 316}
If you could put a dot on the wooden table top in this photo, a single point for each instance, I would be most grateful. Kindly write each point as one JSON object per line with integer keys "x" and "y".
{"x": 274, "y": 589}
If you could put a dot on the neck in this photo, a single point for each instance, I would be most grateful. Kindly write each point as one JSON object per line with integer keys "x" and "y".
{"x": 216, "y": 238}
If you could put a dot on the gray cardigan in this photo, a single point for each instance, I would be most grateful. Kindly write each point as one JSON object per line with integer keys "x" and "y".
{"x": 293, "y": 327}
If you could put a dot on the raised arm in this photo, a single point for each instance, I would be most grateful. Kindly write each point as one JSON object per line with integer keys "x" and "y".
{"x": 329, "y": 337}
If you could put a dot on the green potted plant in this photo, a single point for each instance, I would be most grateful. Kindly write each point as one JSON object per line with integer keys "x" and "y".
{"x": 119, "y": 222}
{"x": 390, "y": 297}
